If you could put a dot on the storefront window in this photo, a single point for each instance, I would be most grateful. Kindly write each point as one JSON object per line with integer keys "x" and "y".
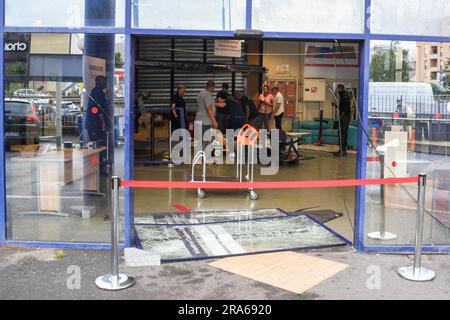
{"x": 190, "y": 14}
{"x": 65, "y": 13}
{"x": 63, "y": 116}
{"x": 409, "y": 127}
{"x": 411, "y": 17}
{"x": 333, "y": 16}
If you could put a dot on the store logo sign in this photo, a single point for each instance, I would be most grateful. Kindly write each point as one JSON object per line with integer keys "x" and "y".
{"x": 16, "y": 47}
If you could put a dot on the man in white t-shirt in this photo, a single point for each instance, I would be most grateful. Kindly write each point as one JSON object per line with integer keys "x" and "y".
{"x": 278, "y": 107}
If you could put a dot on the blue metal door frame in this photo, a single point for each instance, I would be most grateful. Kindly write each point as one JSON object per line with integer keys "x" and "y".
{"x": 132, "y": 20}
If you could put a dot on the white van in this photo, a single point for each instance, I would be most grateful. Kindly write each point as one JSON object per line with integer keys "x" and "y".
{"x": 417, "y": 98}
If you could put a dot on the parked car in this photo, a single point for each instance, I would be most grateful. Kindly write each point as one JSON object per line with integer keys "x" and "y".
{"x": 22, "y": 124}
{"x": 29, "y": 93}
{"x": 70, "y": 108}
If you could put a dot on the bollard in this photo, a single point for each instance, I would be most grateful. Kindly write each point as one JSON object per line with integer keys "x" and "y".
{"x": 417, "y": 272}
{"x": 115, "y": 281}
{"x": 382, "y": 234}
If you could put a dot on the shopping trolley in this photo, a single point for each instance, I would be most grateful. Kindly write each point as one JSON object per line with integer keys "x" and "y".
{"x": 246, "y": 138}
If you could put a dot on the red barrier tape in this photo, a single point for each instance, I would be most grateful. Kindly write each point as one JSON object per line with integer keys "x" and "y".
{"x": 266, "y": 185}
{"x": 373, "y": 159}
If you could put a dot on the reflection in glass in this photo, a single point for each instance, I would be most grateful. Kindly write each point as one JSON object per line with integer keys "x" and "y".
{"x": 190, "y": 14}
{"x": 333, "y": 16}
{"x": 56, "y": 180}
{"x": 409, "y": 127}
{"x": 63, "y": 13}
{"x": 411, "y": 17}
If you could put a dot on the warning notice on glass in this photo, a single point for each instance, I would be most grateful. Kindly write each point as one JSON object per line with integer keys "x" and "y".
{"x": 228, "y": 48}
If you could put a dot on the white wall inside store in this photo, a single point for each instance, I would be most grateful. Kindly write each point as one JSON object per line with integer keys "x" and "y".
{"x": 285, "y": 60}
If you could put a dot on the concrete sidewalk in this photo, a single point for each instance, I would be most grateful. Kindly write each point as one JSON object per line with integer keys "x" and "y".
{"x": 37, "y": 274}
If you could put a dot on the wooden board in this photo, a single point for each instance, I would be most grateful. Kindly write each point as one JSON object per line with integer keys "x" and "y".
{"x": 290, "y": 271}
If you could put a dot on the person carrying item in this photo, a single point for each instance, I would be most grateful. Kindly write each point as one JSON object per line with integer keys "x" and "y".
{"x": 265, "y": 102}
{"x": 344, "y": 107}
{"x": 178, "y": 107}
{"x": 222, "y": 113}
{"x": 278, "y": 105}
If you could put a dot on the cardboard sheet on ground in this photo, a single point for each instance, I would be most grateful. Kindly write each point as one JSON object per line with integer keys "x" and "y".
{"x": 201, "y": 241}
{"x": 290, "y": 271}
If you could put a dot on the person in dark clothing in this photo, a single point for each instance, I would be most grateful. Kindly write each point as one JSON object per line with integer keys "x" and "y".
{"x": 178, "y": 106}
{"x": 236, "y": 113}
{"x": 96, "y": 123}
{"x": 344, "y": 108}
{"x": 222, "y": 113}
{"x": 248, "y": 106}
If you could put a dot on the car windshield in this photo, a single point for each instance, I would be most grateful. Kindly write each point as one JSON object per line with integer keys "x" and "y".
{"x": 17, "y": 108}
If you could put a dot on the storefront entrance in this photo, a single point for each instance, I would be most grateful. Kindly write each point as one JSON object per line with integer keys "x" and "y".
{"x": 307, "y": 74}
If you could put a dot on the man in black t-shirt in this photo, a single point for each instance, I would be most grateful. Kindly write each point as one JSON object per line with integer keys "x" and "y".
{"x": 236, "y": 114}
{"x": 222, "y": 113}
{"x": 178, "y": 106}
{"x": 345, "y": 110}
{"x": 248, "y": 106}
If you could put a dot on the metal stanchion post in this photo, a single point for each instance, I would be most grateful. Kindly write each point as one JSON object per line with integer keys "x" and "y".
{"x": 417, "y": 272}
{"x": 115, "y": 281}
{"x": 171, "y": 164}
{"x": 382, "y": 234}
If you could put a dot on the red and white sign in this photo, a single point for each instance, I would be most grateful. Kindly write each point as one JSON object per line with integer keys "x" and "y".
{"x": 228, "y": 48}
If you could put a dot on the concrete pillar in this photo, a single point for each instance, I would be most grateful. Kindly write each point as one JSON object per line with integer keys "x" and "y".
{"x": 101, "y": 13}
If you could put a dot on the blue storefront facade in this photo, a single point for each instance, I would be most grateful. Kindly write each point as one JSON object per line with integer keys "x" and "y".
{"x": 366, "y": 22}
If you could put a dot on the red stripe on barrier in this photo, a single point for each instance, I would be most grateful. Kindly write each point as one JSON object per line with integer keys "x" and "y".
{"x": 373, "y": 159}
{"x": 266, "y": 185}
{"x": 181, "y": 208}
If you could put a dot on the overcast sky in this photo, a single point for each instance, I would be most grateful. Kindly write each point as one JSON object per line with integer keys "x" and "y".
{"x": 52, "y": 13}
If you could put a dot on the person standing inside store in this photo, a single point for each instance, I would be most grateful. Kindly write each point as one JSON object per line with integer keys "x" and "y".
{"x": 96, "y": 124}
{"x": 265, "y": 102}
{"x": 236, "y": 113}
{"x": 222, "y": 113}
{"x": 278, "y": 105}
{"x": 178, "y": 106}
{"x": 248, "y": 106}
{"x": 344, "y": 107}
{"x": 206, "y": 110}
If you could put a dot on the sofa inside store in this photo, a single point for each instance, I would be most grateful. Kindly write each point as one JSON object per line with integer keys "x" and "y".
{"x": 310, "y": 123}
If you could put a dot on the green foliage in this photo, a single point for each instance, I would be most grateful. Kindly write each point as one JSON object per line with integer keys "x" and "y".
{"x": 60, "y": 254}
{"x": 15, "y": 69}
{"x": 383, "y": 64}
{"x": 445, "y": 80}
{"x": 119, "y": 62}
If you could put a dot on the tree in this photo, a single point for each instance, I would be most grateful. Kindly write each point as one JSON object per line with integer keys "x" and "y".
{"x": 445, "y": 79}
{"x": 119, "y": 62}
{"x": 383, "y": 64}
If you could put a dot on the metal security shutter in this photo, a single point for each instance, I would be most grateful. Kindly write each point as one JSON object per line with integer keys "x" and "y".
{"x": 158, "y": 79}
